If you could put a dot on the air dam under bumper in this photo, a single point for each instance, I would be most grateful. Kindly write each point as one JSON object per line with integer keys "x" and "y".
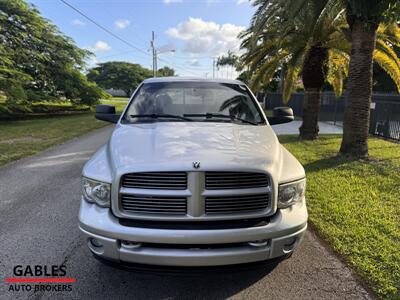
{"x": 283, "y": 234}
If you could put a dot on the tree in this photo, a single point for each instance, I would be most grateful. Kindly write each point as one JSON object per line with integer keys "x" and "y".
{"x": 305, "y": 44}
{"x": 119, "y": 75}
{"x": 165, "y": 72}
{"x": 35, "y": 55}
{"x": 364, "y": 17}
{"x": 312, "y": 43}
{"x": 230, "y": 59}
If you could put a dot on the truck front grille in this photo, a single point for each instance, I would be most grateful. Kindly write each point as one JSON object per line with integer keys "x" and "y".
{"x": 236, "y": 204}
{"x": 156, "y": 180}
{"x": 154, "y": 204}
{"x": 235, "y": 180}
{"x": 194, "y": 196}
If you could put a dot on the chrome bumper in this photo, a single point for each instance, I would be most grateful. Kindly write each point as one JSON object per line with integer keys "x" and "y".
{"x": 284, "y": 232}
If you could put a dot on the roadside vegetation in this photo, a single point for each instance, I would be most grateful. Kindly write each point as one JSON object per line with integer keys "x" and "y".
{"x": 313, "y": 45}
{"x": 20, "y": 138}
{"x": 39, "y": 63}
{"x": 43, "y": 71}
{"x": 27, "y": 136}
{"x": 118, "y": 102}
{"x": 355, "y": 206}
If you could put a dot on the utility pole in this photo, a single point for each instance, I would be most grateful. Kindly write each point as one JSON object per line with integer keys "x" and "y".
{"x": 213, "y": 67}
{"x": 156, "y": 62}
{"x": 154, "y": 54}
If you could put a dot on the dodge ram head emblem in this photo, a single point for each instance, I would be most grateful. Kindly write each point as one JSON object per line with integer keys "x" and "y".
{"x": 196, "y": 164}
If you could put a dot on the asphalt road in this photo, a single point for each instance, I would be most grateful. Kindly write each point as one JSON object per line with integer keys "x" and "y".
{"x": 39, "y": 202}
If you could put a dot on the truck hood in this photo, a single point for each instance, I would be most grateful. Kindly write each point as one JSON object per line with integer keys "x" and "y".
{"x": 176, "y": 145}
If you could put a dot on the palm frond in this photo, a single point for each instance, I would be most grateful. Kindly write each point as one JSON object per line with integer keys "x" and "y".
{"x": 388, "y": 65}
{"x": 267, "y": 70}
{"x": 292, "y": 74}
{"x": 338, "y": 68}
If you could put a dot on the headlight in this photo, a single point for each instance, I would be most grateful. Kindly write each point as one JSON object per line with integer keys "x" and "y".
{"x": 290, "y": 193}
{"x": 96, "y": 192}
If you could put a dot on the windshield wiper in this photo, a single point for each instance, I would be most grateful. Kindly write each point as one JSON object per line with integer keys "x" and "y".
{"x": 158, "y": 116}
{"x": 216, "y": 115}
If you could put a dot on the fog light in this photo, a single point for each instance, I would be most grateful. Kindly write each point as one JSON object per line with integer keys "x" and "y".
{"x": 130, "y": 245}
{"x": 289, "y": 246}
{"x": 259, "y": 243}
{"x": 96, "y": 243}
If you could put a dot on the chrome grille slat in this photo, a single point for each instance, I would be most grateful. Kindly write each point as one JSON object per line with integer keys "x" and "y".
{"x": 236, "y": 204}
{"x": 161, "y": 210}
{"x": 234, "y": 209}
{"x": 155, "y": 180}
{"x": 154, "y": 205}
{"x": 151, "y": 203}
{"x": 235, "y": 180}
{"x": 228, "y": 204}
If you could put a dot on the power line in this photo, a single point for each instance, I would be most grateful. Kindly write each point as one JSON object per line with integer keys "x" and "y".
{"x": 104, "y": 28}
{"x": 117, "y": 54}
{"x": 116, "y": 36}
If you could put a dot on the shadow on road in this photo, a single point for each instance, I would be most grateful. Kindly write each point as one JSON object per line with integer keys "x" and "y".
{"x": 214, "y": 283}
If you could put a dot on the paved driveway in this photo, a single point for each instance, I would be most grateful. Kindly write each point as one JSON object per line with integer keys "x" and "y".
{"x": 293, "y": 128}
{"x": 39, "y": 202}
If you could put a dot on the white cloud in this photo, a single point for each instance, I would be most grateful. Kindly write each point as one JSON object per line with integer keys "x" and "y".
{"x": 99, "y": 46}
{"x": 172, "y": 1}
{"x": 77, "y": 22}
{"x": 238, "y": 2}
{"x": 207, "y": 38}
{"x": 121, "y": 24}
{"x": 193, "y": 63}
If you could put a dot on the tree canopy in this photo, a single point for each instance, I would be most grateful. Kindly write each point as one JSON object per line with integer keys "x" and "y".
{"x": 274, "y": 40}
{"x": 37, "y": 61}
{"x": 165, "y": 71}
{"x": 119, "y": 75}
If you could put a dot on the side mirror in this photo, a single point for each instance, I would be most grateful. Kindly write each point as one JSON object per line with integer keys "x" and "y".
{"x": 106, "y": 113}
{"x": 281, "y": 115}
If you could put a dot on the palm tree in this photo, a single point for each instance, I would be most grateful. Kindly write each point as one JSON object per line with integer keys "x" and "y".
{"x": 313, "y": 43}
{"x": 230, "y": 59}
{"x": 364, "y": 17}
{"x": 305, "y": 45}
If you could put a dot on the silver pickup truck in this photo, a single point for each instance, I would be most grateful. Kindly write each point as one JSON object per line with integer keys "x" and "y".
{"x": 192, "y": 175}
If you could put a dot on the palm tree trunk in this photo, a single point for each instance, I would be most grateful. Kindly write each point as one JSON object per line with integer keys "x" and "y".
{"x": 311, "y": 105}
{"x": 357, "y": 112}
{"x": 313, "y": 76}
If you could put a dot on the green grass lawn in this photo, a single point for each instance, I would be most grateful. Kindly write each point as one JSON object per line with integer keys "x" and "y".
{"x": 118, "y": 102}
{"x": 120, "y": 98}
{"x": 355, "y": 206}
{"x": 21, "y": 138}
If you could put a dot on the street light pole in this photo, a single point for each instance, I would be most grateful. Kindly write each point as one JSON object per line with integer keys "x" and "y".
{"x": 154, "y": 53}
{"x": 213, "y": 67}
{"x": 156, "y": 62}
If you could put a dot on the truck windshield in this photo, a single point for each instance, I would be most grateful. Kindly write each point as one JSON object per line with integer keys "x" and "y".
{"x": 193, "y": 101}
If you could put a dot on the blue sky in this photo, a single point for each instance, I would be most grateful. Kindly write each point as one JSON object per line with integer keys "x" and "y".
{"x": 196, "y": 29}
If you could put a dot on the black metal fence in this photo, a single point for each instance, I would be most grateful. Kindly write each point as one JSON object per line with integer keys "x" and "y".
{"x": 385, "y": 110}
{"x": 385, "y": 116}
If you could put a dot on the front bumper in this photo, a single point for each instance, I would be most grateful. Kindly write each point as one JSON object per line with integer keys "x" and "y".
{"x": 283, "y": 233}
